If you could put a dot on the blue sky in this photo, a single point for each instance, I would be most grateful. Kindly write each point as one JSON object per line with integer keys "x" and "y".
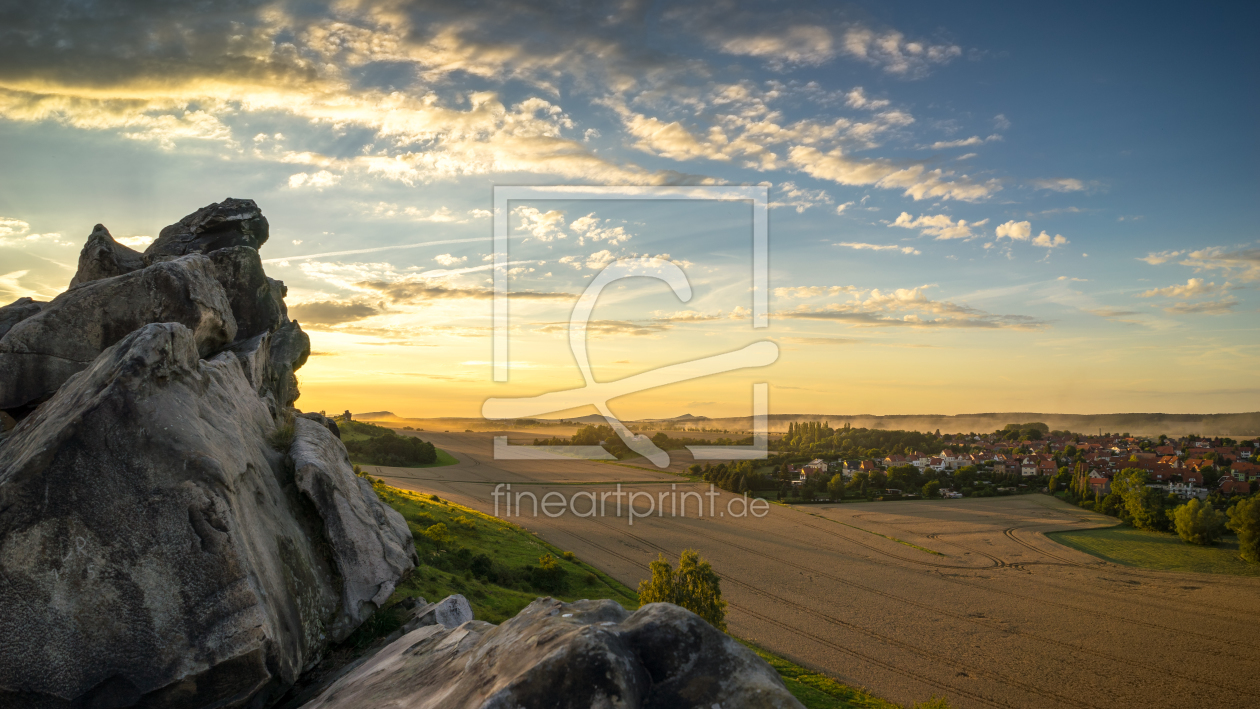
{"x": 977, "y": 206}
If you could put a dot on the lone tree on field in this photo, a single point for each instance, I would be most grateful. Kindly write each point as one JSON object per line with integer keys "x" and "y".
{"x": 1244, "y": 520}
{"x": 1198, "y": 523}
{"x": 695, "y": 586}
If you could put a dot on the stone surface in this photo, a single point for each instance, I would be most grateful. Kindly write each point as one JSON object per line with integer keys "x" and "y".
{"x": 371, "y": 544}
{"x": 290, "y": 348}
{"x": 256, "y": 305}
{"x": 42, "y": 351}
{"x": 157, "y": 551}
{"x": 102, "y": 257}
{"x": 323, "y": 421}
{"x": 17, "y": 311}
{"x": 232, "y": 222}
{"x": 558, "y": 655}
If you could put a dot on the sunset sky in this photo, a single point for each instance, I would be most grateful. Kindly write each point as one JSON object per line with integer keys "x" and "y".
{"x": 975, "y": 207}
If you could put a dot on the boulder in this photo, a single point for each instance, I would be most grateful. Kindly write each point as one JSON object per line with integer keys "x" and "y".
{"x": 256, "y": 305}
{"x": 565, "y": 655}
{"x": 42, "y": 351}
{"x": 157, "y": 551}
{"x": 232, "y": 222}
{"x": 102, "y": 257}
{"x": 450, "y": 612}
{"x": 371, "y": 544}
{"x": 17, "y": 311}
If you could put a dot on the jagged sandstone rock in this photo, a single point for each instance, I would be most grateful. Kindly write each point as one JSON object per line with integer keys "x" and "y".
{"x": 42, "y": 351}
{"x": 157, "y": 551}
{"x": 257, "y": 302}
{"x": 232, "y": 222}
{"x": 102, "y": 257}
{"x": 17, "y": 311}
{"x": 556, "y": 655}
{"x": 371, "y": 544}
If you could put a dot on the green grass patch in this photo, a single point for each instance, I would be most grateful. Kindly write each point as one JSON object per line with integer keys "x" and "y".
{"x": 819, "y": 691}
{"x": 1157, "y": 550}
{"x": 503, "y": 590}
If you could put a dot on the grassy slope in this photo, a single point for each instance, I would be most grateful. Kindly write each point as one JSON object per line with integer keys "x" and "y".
{"x": 1157, "y": 550}
{"x": 514, "y": 546}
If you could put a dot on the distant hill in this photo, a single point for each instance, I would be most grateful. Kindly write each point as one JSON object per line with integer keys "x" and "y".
{"x": 1244, "y": 425}
{"x": 1137, "y": 424}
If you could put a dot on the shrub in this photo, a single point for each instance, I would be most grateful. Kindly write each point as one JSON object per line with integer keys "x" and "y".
{"x": 568, "y": 556}
{"x": 1198, "y": 523}
{"x": 1244, "y": 520}
{"x": 695, "y": 586}
{"x": 549, "y": 575}
{"x": 439, "y": 534}
{"x": 464, "y": 523}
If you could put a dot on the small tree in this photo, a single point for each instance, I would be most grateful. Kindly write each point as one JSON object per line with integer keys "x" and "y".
{"x": 695, "y": 586}
{"x": 835, "y": 487}
{"x": 1244, "y": 520}
{"x": 1198, "y": 523}
{"x": 931, "y": 489}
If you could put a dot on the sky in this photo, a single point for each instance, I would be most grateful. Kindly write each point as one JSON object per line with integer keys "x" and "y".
{"x": 974, "y": 206}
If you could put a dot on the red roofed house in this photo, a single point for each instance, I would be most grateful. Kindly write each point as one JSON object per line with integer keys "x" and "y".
{"x": 1230, "y": 486}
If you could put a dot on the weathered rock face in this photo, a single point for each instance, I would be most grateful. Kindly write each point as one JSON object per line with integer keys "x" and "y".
{"x": 557, "y": 655}
{"x": 17, "y": 311}
{"x": 102, "y": 257}
{"x": 371, "y": 544}
{"x": 41, "y": 352}
{"x": 161, "y": 543}
{"x": 174, "y": 557}
{"x": 232, "y": 222}
{"x": 256, "y": 305}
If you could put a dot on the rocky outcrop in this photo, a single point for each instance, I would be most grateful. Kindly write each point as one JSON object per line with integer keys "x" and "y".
{"x": 371, "y": 544}
{"x": 17, "y": 311}
{"x": 232, "y": 222}
{"x": 166, "y": 540}
{"x": 257, "y": 301}
{"x": 561, "y": 655}
{"x": 102, "y": 257}
{"x": 41, "y": 352}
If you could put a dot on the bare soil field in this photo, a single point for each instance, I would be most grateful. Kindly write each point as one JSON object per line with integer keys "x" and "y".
{"x": 962, "y": 598}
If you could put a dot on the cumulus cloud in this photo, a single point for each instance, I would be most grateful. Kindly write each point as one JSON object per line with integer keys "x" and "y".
{"x": 1195, "y": 287}
{"x": 939, "y": 225}
{"x": 916, "y": 180}
{"x": 544, "y": 226}
{"x": 799, "y": 198}
{"x": 860, "y": 246}
{"x": 1156, "y": 258}
{"x": 420, "y": 291}
{"x": 141, "y": 242}
{"x": 1243, "y": 263}
{"x": 965, "y": 142}
{"x": 12, "y": 227}
{"x": 1061, "y": 184}
{"x": 857, "y": 99}
{"x": 596, "y": 229}
{"x": 1050, "y": 242}
{"x": 318, "y": 180}
{"x": 1015, "y": 231}
{"x": 448, "y": 260}
{"x": 892, "y": 52}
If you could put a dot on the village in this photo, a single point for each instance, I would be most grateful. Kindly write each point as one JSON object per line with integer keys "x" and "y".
{"x": 1188, "y": 467}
